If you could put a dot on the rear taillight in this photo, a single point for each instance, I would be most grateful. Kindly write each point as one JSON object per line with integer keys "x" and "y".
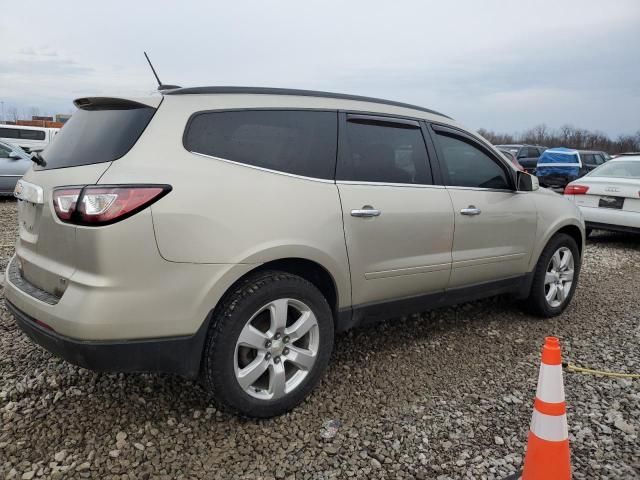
{"x": 64, "y": 202}
{"x": 103, "y": 205}
{"x": 576, "y": 189}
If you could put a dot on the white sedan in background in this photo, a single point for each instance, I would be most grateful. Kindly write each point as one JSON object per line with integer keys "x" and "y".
{"x": 609, "y": 196}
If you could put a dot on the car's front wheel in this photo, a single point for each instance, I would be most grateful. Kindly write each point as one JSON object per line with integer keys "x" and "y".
{"x": 269, "y": 345}
{"x": 555, "y": 277}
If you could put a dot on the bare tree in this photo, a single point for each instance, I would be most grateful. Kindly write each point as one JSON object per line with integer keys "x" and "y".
{"x": 13, "y": 114}
{"x": 567, "y": 136}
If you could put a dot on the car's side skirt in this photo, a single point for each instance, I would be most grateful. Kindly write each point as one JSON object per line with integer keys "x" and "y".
{"x": 358, "y": 315}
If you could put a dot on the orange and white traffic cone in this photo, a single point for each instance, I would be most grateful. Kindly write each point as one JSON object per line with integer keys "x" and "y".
{"x": 547, "y": 456}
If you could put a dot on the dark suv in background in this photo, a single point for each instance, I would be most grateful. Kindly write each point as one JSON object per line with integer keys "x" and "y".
{"x": 527, "y": 155}
{"x": 592, "y": 159}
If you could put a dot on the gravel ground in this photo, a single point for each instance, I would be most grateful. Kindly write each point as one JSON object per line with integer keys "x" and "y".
{"x": 447, "y": 394}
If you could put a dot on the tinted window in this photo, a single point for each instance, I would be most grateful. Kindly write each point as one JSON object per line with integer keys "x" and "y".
{"x": 532, "y": 152}
{"x": 599, "y": 159}
{"x": 468, "y": 166}
{"x": 384, "y": 152}
{"x": 588, "y": 158}
{"x": 298, "y": 142}
{"x": 32, "y": 134}
{"x": 96, "y": 136}
{"x": 9, "y": 133}
{"x": 22, "y": 133}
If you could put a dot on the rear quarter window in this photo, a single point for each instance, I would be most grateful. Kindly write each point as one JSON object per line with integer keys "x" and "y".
{"x": 297, "y": 142}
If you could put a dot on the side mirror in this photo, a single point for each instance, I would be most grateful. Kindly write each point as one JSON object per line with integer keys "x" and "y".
{"x": 527, "y": 183}
{"x": 14, "y": 156}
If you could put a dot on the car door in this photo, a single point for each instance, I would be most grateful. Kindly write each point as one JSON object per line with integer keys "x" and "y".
{"x": 495, "y": 225}
{"x": 398, "y": 225}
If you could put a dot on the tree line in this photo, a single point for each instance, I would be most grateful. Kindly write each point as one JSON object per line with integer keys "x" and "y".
{"x": 567, "y": 136}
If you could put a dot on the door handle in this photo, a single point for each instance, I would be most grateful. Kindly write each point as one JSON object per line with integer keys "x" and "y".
{"x": 366, "y": 211}
{"x": 471, "y": 210}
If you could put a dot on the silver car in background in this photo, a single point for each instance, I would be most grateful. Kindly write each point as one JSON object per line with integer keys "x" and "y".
{"x": 14, "y": 163}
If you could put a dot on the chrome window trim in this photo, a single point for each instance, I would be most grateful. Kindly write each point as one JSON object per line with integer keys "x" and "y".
{"x": 263, "y": 169}
{"x": 480, "y": 189}
{"x": 387, "y": 184}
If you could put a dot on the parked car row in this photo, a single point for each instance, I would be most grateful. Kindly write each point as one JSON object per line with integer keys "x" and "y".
{"x": 568, "y": 164}
{"x": 557, "y": 167}
{"x": 226, "y": 233}
{"x": 526, "y": 155}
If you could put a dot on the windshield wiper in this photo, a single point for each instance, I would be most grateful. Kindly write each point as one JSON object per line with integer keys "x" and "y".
{"x": 38, "y": 159}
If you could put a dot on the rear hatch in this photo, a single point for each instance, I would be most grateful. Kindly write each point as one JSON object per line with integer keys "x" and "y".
{"x": 100, "y": 132}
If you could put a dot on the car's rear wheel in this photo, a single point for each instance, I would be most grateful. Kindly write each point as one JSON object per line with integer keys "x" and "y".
{"x": 269, "y": 345}
{"x": 555, "y": 277}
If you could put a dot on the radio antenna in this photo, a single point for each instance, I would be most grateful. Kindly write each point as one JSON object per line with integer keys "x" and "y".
{"x": 161, "y": 86}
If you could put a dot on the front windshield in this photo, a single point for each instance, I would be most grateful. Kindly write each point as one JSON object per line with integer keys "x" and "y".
{"x": 618, "y": 169}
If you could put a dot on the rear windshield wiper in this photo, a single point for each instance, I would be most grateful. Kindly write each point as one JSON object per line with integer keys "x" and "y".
{"x": 38, "y": 159}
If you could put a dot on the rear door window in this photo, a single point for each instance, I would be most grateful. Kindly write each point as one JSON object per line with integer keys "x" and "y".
{"x": 375, "y": 150}
{"x": 300, "y": 142}
{"x": 97, "y": 135}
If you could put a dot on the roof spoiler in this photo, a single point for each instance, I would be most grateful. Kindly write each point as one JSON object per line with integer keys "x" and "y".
{"x": 107, "y": 103}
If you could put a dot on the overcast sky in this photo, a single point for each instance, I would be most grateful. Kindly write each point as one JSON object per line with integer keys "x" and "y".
{"x": 501, "y": 65}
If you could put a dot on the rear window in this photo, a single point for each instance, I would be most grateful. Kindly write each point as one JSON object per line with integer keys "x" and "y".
{"x": 97, "y": 135}
{"x": 291, "y": 141}
{"x": 618, "y": 169}
{"x": 22, "y": 133}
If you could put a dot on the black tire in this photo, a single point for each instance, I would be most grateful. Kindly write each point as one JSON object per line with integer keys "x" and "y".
{"x": 244, "y": 300}
{"x": 537, "y": 303}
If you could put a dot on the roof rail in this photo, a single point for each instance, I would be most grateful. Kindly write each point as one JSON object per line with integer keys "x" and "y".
{"x": 293, "y": 92}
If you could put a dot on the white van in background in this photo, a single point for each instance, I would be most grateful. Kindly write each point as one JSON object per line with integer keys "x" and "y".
{"x": 29, "y": 139}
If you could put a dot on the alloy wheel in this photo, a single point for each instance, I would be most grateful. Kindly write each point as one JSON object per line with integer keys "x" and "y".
{"x": 276, "y": 349}
{"x": 559, "y": 277}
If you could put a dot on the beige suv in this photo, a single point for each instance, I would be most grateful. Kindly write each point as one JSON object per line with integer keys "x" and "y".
{"x": 228, "y": 233}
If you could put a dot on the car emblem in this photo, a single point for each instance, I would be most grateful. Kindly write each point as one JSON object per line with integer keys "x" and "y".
{"x": 611, "y": 189}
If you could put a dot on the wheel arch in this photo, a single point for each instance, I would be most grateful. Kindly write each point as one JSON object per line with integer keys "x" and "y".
{"x": 571, "y": 228}
{"x": 311, "y": 271}
{"x": 575, "y": 233}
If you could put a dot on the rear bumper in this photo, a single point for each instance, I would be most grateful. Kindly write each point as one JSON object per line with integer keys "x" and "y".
{"x": 556, "y": 181}
{"x": 611, "y": 219}
{"x": 179, "y": 355}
